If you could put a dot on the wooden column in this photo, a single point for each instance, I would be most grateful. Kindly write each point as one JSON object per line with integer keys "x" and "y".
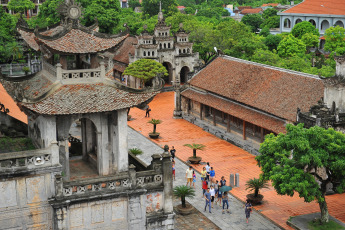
{"x": 262, "y": 134}
{"x": 201, "y": 107}
{"x": 228, "y": 124}
{"x": 223, "y": 117}
{"x": 63, "y": 61}
{"x": 188, "y": 107}
{"x": 214, "y": 116}
{"x": 244, "y": 130}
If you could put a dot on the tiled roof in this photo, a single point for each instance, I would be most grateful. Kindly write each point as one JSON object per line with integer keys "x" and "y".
{"x": 273, "y": 90}
{"x": 251, "y": 11}
{"x": 127, "y": 47}
{"x": 244, "y": 7}
{"x": 29, "y": 38}
{"x": 87, "y": 98}
{"x": 237, "y": 110}
{"x": 10, "y": 104}
{"x": 120, "y": 67}
{"x": 78, "y": 41}
{"x": 270, "y": 4}
{"x": 335, "y": 7}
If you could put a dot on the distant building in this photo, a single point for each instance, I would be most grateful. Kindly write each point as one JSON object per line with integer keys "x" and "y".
{"x": 252, "y": 11}
{"x": 321, "y": 13}
{"x": 124, "y": 3}
{"x": 28, "y": 13}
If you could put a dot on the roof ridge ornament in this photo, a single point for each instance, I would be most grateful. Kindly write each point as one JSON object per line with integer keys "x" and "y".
{"x": 70, "y": 12}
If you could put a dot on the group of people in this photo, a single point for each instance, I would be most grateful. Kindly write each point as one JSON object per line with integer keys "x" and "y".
{"x": 211, "y": 188}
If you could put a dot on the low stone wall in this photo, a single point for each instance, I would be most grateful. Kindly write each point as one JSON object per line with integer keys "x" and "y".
{"x": 247, "y": 145}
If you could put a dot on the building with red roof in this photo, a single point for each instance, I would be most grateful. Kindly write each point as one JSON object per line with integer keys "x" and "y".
{"x": 321, "y": 13}
{"x": 252, "y": 11}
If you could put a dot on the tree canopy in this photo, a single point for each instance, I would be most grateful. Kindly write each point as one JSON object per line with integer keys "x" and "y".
{"x": 302, "y": 28}
{"x": 291, "y": 46}
{"x": 151, "y": 7}
{"x": 304, "y": 161}
{"x": 253, "y": 21}
{"x": 145, "y": 69}
{"x": 20, "y": 6}
{"x": 335, "y": 39}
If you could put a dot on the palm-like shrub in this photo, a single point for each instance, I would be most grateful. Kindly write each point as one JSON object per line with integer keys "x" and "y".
{"x": 256, "y": 184}
{"x": 155, "y": 123}
{"x": 183, "y": 191}
{"x": 136, "y": 151}
{"x": 195, "y": 147}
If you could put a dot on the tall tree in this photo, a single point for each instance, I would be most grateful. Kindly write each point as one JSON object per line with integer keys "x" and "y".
{"x": 20, "y": 6}
{"x": 253, "y": 21}
{"x": 151, "y": 7}
{"x": 304, "y": 161}
{"x": 335, "y": 37}
{"x": 48, "y": 14}
{"x": 291, "y": 46}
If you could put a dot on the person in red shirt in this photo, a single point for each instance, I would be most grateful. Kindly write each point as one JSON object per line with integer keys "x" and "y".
{"x": 204, "y": 187}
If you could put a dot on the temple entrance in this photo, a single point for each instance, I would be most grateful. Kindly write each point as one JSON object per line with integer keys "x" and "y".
{"x": 82, "y": 145}
{"x": 168, "y": 78}
{"x": 184, "y": 74}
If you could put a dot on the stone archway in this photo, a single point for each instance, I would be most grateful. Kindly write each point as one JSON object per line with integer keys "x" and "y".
{"x": 312, "y": 22}
{"x": 184, "y": 74}
{"x": 83, "y": 147}
{"x": 169, "y": 68}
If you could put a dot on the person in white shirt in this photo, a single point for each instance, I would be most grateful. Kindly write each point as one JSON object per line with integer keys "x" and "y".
{"x": 208, "y": 169}
{"x": 213, "y": 193}
{"x": 189, "y": 176}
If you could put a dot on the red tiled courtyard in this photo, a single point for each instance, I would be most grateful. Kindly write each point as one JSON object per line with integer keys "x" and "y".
{"x": 225, "y": 158}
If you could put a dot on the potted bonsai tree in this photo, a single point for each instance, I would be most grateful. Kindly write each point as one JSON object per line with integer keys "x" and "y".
{"x": 256, "y": 184}
{"x": 155, "y": 122}
{"x": 194, "y": 159}
{"x": 182, "y": 192}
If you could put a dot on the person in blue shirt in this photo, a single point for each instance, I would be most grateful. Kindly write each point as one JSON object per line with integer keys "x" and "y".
{"x": 207, "y": 196}
{"x": 212, "y": 176}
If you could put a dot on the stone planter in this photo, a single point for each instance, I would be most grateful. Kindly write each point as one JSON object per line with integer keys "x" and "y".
{"x": 194, "y": 160}
{"x": 185, "y": 211}
{"x": 154, "y": 135}
{"x": 255, "y": 200}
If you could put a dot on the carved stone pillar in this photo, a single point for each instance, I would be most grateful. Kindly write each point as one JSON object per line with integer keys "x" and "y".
{"x": 168, "y": 183}
{"x": 177, "y": 110}
{"x": 61, "y": 218}
{"x": 136, "y": 215}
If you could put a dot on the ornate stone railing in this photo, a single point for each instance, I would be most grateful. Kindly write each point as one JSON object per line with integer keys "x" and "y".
{"x": 49, "y": 68}
{"x": 80, "y": 75}
{"x": 27, "y": 160}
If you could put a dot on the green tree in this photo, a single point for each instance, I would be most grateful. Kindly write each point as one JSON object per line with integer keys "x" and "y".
{"x": 133, "y": 3}
{"x": 310, "y": 40}
{"x": 272, "y": 41}
{"x": 265, "y": 32}
{"x": 48, "y": 14}
{"x": 272, "y": 22}
{"x": 154, "y": 122}
{"x": 291, "y": 46}
{"x": 253, "y": 21}
{"x": 302, "y": 28}
{"x": 7, "y": 32}
{"x": 256, "y": 184}
{"x": 304, "y": 161}
{"x": 195, "y": 147}
{"x": 269, "y": 12}
{"x": 106, "y": 12}
{"x": 151, "y": 7}
{"x": 145, "y": 69}
{"x": 20, "y": 6}
{"x": 266, "y": 57}
{"x": 335, "y": 37}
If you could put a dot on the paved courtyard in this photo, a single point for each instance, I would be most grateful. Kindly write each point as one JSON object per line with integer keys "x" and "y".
{"x": 226, "y": 158}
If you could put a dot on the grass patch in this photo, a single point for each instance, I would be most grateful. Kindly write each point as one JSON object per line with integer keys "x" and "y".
{"x": 315, "y": 225}
{"x": 8, "y": 144}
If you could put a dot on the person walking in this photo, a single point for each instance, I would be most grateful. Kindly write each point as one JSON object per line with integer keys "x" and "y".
{"x": 223, "y": 181}
{"x": 173, "y": 168}
{"x": 225, "y": 199}
{"x": 248, "y": 209}
{"x": 172, "y": 152}
{"x": 147, "y": 114}
{"x": 208, "y": 168}
{"x": 189, "y": 176}
{"x": 212, "y": 176}
{"x": 203, "y": 174}
{"x": 207, "y": 197}
{"x": 204, "y": 187}
{"x": 194, "y": 179}
{"x": 213, "y": 193}
{"x": 219, "y": 194}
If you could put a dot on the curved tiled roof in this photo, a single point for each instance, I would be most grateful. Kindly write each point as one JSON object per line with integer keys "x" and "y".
{"x": 78, "y": 41}
{"x": 246, "y": 114}
{"x": 126, "y": 48}
{"x": 335, "y": 7}
{"x": 87, "y": 98}
{"x": 29, "y": 38}
{"x": 274, "y": 90}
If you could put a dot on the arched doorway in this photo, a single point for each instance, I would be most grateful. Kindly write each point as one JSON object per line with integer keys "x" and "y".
{"x": 298, "y": 21}
{"x": 83, "y": 148}
{"x": 287, "y": 23}
{"x": 324, "y": 25}
{"x": 168, "y": 78}
{"x": 339, "y": 23}
{"x": 184, "y": 74}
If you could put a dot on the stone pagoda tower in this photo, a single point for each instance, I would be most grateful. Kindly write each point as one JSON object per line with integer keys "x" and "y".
{"x": 72, "y": 99}
{"x": 174, "y": 52}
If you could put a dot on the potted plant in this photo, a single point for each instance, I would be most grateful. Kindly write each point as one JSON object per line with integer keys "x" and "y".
{"x": 136, "y": 151}
{"x": 182, "y": 192}
{"x": 155, "y": 122}
{"x": 26, "y": 70}
{"x": 194, "y": 159}
{"x": 256, "y": 184}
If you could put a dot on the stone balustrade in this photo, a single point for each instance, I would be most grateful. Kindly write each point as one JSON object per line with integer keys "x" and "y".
{"x": 49, "y": 68}
{"x": 29, "y": 160}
